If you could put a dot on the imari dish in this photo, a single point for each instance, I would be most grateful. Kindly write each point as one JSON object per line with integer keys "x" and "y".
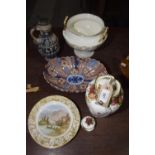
{"x": 53, "y": 121}
{"x": 72, "y": 74}
{"x": 104, "y": 96}
{"x": 85, "y": 33}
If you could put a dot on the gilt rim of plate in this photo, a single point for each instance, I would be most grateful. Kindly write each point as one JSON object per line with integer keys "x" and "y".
{"x": 40, "y": 135}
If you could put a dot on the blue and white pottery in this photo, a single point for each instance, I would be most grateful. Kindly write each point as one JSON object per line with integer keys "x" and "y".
{"x": 47, "y": 42}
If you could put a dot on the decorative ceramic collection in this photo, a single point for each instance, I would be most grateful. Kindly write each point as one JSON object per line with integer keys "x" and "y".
{"x": 55, "y": 120}
{"x": 72, "y": 74}
{"x": 47, "y": 41}
{"x": 85, "y": 33}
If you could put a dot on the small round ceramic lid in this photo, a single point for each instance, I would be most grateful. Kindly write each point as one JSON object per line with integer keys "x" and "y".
{"x": 88, "y": 123}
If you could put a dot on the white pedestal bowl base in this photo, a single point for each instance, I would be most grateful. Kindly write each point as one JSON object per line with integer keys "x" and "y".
{"x": 83, "y": 54}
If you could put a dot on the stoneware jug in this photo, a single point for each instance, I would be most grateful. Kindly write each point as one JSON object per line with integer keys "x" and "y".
{"x": 104, "y": 96}
{"x": 47, "y": 42}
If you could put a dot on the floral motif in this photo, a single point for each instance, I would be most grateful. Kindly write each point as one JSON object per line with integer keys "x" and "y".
{"x": 91, "y": 100}
{"x": 74, "y": 71}
{"x": 64, "y": 62}
{"x": 91, "y": 93}
{"x": 89, "y": 120}
{"x": 75, "y": 79}
{"x": 61, "y": 81}
{"x": 117, "y": 100}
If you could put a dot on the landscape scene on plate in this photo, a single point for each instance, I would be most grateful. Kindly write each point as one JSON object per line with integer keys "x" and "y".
{"x": 54, "y": 120}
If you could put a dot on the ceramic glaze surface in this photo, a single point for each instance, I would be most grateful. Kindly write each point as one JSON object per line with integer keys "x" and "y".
{"x": 75, "y": 79}
{"x": 72, "y": 74}
{"x": 53, "y": 121}
{"x": 49, "y": 46}
{"x": 85, "y": 33}
{"x": 87, "y": 27}
{"x": 47, "y": 42}
{"x": 96, "y": 109}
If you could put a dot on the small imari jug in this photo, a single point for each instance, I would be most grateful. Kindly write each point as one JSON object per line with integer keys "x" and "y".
{"x": 47, "y": 41}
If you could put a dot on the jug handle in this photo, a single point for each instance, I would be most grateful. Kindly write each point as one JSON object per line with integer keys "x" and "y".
{"x": 117, "y": 84}
{"x": 65, "y": 22}
{"x": 37, "y": 40}
{"x": 104, "y": 35}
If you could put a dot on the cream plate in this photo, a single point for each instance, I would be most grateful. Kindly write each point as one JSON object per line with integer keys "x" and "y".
{"x": 53, "y": 121}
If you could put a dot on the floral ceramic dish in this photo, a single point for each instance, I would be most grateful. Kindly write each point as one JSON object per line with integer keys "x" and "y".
{"x": 96, "y": 99}
{"x": 53, "y": 121}
{"x": 72, "y": 74}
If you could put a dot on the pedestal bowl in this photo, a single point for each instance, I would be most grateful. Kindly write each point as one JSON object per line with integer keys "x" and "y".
{"x": 85, "y": 33}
